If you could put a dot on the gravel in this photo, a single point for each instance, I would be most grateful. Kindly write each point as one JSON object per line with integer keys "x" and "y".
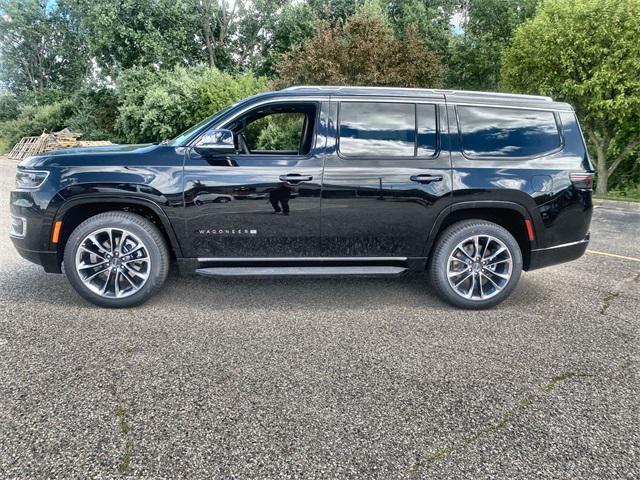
{"x": 328, "y": 378}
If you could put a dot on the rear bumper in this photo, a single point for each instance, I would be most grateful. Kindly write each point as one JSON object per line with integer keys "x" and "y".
{"x": 544, "y": 257}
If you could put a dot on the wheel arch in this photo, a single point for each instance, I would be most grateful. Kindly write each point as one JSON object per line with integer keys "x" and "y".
{"x": 75, "y": 211}
{"x": 509, "y": 215}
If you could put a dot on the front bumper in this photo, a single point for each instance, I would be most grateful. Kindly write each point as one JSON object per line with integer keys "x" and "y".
{"x": 545, "y": 257}
{"x": 31, "y": 234}
{"x": 48, "y": 260}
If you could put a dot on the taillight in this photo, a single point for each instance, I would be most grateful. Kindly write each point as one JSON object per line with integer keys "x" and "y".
{"x": 582, "y": 181}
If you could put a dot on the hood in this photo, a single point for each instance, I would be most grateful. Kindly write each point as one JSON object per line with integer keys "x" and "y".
{"x": 103, "y": 155}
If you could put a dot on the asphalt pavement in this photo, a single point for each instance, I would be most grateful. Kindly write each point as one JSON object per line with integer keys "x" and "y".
{"x": 326, "y": 378}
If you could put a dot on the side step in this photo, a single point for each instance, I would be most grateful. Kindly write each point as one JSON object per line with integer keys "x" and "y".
{"x": 363, "y": 271}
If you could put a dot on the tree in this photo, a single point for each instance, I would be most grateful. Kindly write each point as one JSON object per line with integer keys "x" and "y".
{"x": 431, "y": 19}
{"x": 585, "y": 52}
{"x": 40, "y": 46}
{"x": 475, "y": 56}
{"x": 126, "y": 33}
{"x": 363, "y": 51}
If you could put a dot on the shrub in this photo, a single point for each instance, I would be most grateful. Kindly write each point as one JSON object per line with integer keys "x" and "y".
{"x": 34, "y": 120}
{"x": 157, "y": 105}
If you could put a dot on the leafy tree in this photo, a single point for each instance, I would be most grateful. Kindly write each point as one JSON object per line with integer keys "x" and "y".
{"x": 160, "y": 104}
{"x": 431, "y": 19}
{"x": 587, "y": 53}
{"x": 40, "y": 46}
{"x": 475, "y": 56}
{"x": 363, "y": 51}
{"x": 333, "y": 11}
{"x": 276, "y": 27}
{"x": 127, "y": 33}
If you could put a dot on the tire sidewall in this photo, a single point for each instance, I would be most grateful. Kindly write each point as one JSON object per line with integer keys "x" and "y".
{"x": 448, "y": 242}
{"x": 137, "y": 225}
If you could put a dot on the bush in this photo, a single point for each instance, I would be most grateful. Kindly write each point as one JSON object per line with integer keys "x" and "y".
{"x": 9, "y": 107}
{"x": 157, "y": 105}
{"x": 91, "y": 112}
{"x": 34, "y": 120}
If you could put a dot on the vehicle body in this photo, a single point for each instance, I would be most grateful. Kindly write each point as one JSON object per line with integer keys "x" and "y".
{"x": 379, "y": 178}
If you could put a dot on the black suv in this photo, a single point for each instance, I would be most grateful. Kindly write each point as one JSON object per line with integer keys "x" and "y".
{"x": 315, "y": 181}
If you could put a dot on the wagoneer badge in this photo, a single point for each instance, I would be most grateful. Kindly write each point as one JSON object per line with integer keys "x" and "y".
{"x": 227, "y": 231}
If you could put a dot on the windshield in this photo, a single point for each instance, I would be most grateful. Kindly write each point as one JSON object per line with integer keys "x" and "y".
{"x": 180, "y": 139}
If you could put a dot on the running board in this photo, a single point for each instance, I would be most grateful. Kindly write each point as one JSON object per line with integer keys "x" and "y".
{"x": 361, "y": 271}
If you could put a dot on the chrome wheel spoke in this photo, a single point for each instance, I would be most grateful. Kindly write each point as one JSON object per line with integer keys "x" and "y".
{"x": 136, "y": 273}
{"x": 459, "y": 248}
{"x": 497, "y": 287}
{"x": 462, "y": 281}
{"x": 496, "y": 253}
{"x": 94, "y": 275}
{"x": 95, "y": 242}
{"x": 501, "y": 275}
{"x": 85, "y": 266}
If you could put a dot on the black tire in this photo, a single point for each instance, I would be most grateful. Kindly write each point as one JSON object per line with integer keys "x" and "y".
{"x": 445, "y": 245}
{"x": 144, "y": 230}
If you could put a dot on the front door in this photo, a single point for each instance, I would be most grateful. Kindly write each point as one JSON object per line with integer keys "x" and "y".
{"x": 387, "y": 176}
{"x": 264, "y": 200}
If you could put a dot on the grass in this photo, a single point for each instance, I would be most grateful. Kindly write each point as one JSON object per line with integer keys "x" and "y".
{"x": 619, "y": 196}
{"x": 492, "y": 428}
{"x": 606, "y": 302}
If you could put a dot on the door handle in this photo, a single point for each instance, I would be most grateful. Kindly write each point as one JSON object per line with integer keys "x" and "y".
{"x": 426, "y": 178}
{"x": 295, "y": 178}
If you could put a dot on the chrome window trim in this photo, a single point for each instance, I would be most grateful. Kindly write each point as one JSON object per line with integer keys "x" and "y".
{"x": 284, "y": 99}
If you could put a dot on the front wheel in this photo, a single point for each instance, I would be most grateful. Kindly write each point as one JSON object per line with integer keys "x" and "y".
{"x": 476, "y": 264}
{"x": 116, "y": 259}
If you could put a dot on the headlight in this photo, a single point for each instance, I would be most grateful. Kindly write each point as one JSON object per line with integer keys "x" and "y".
{"x": 30, "y": 178}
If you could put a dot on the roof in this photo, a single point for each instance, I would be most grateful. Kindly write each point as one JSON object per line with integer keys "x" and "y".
{"x": 453, "y": 96}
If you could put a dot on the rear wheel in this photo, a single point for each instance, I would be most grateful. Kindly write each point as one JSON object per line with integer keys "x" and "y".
{"x": 116, "y": 259}
{"x": 476, "y": 264}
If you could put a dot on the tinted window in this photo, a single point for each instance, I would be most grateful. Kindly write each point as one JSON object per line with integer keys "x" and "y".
{"x": 427, "y": 135}
{"x": 507, "y": 132}
{"x": 377, "y": 129}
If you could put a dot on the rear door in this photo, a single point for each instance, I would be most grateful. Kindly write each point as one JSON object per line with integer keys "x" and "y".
{"x": 387, "y": 176}
{"x": 264, "y": 200}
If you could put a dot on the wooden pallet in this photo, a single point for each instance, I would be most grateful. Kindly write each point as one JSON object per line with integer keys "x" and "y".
{"x": 28, "y": 146}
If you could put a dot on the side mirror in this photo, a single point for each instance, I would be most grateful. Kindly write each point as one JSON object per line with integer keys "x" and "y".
{"x": 217, "y": 141}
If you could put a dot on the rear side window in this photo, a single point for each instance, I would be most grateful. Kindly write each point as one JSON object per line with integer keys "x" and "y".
{"x": 507, "y": 132}
{"x": 378, "y": 129}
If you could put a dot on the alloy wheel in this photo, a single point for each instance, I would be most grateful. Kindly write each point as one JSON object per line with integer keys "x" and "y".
{"x": 113, "y": 262}
{"x": 479, "y": 267}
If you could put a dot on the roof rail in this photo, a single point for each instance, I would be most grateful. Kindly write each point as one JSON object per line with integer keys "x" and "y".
{"x": 424, "y": 90}
{"x": 493, "y": 94}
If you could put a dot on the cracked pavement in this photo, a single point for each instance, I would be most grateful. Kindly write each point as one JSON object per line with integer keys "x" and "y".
{"x": 325, "y": 378}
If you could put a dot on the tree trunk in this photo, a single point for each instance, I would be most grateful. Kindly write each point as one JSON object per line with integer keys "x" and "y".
{"x": 603, "y": 172}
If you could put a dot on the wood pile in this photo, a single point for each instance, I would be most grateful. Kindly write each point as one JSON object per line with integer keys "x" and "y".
{"x": 28, "y": 146}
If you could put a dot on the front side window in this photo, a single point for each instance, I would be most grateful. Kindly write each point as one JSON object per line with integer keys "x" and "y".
{"x": 279, "y": 131}
{"x": 507, "y": 132}
{"x": 276, "y": 129}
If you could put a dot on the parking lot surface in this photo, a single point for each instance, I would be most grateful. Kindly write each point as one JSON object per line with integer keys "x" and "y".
{"x": 330, "y": 378}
